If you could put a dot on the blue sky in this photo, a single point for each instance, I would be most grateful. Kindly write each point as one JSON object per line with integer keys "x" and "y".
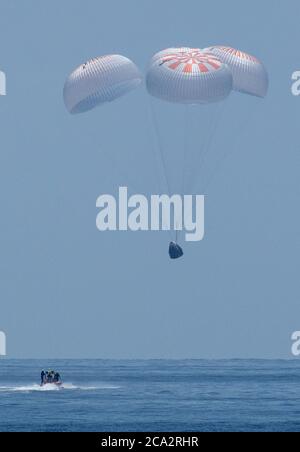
{"x": 68, "y": 290}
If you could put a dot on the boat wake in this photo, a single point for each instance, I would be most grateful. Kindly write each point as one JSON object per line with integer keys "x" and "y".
{"x": 52, "y": 387}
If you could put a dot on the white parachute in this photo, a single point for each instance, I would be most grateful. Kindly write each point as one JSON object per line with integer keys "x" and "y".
{"x": 98, "y": 81}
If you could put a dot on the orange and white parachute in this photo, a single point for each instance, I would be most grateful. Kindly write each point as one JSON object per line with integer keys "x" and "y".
{"x": 249, "y": 74}
{"x": 188, "y": 76}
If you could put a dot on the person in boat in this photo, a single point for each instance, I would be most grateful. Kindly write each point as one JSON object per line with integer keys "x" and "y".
{"x": 57, "y": 378}
{"x": 49, "y": 376}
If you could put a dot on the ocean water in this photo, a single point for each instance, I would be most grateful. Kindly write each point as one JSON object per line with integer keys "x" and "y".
{"x": 155, "y": 395}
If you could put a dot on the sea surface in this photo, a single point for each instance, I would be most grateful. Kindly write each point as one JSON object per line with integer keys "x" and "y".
{"x": 155, "y": 395}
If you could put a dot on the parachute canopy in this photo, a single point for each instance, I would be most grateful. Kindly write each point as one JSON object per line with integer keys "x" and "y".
{"x": 249, "y": 74}
{"x": 188, "y": 76}
{"x": 98, "y": 81}
{"x": 171, "y": 50}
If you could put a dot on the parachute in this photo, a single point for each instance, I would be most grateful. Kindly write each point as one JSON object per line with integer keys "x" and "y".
{"x": 98, "y": 81}
{"x": 177, "y": 75}
{"x": 162, "y": 53}
{"x": 188, "y": 76}
{"x": 249, "y": 74}
{"x": 192, "y": 76}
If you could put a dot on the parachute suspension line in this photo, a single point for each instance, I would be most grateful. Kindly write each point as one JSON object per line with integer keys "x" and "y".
{"x": 186, "y": 143}
{"x": 185, "y": 148}
{"x": 206, "y": 138}
{"x": 215, "y": 122}
{"x": 153, "y": 140}
{"x": 232, "y": 148}
{"x": 203, "y": 147}
{"x": 159, "y": 147}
